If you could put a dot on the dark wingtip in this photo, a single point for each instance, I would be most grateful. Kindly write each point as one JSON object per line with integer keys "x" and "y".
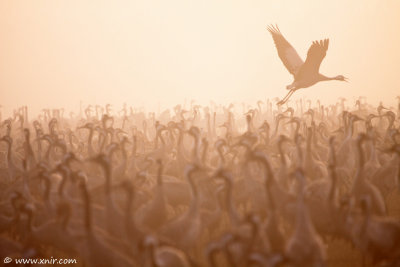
{"x": 273, "y": 28}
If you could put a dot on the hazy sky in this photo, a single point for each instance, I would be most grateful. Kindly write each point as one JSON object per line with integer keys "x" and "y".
{"x": 56, "y": 53}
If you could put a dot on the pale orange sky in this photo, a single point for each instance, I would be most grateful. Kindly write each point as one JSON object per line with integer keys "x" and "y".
{"x": 56, "y": 53}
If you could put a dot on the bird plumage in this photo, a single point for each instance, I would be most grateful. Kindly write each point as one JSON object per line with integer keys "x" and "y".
{"x": 286, "y": 52}
{"x": 316, "y": 53}
{"x": 305, "y": 73}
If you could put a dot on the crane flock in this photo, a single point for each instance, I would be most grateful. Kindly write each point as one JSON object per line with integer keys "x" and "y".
{"x": 262, "y": 185}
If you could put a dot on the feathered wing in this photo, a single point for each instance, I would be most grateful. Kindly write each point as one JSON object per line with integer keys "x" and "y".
{"x": 286, "y": 52}
{"x": 315, "y": 55}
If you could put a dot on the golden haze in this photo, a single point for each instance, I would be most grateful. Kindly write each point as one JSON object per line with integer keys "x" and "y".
{"x": 57, "y": 53}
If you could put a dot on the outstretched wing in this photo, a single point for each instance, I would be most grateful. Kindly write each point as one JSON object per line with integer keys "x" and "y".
{"x": 286, "y": 52}
{"x": 315, "y": 55}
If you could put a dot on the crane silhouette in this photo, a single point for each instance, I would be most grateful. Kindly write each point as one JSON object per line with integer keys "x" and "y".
{"x": 305, "y": 73}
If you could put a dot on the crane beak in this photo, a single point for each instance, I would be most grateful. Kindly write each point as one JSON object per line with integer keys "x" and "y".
{"x": 346, "y": 79}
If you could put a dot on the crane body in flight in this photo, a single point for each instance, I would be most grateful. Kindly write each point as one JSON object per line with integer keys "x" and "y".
{"x": 305, "y": 73}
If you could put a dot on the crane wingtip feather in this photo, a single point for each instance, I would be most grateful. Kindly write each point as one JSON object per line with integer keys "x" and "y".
{"x": 273, "y": 29}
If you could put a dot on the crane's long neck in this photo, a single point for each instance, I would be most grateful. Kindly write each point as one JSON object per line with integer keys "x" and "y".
{"x": 280, "y": 149}
{"x": 194, "y": 205}
{"x": 308, "y": 144}
{"x": 9, "y": 153}
{"x": 398, "y": 170}
{"x": 350, "y": 129}
{"x": 325, "y": 78}
{"x": 90, "y": 145}
{"x": 87, "y": 206}
{"x": 361, "y": 162}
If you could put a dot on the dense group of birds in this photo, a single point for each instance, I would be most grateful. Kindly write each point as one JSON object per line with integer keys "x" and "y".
{"x": 264, "y": 185}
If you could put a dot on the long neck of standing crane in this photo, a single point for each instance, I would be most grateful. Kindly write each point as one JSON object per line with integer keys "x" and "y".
{"x": 86, "y": 201}
{"x": 297, "y": 129}
{"x": 195, "y": 201}
{"x": 391, "y": 122}
{"x": 332, "y": 174}
{"x": 269, "y": 179}
{"x": 204, "y": 152}
{"x": 229, "y": 203}
{"x": 398, "y": 170}
{"x": 276, "y": 126}
{"x": 361, "y": 161}
{"x": 350, "y": 129}
{"x": 90, "y": 138}
{"x": 107, "y": 175}
{"x": 280, "y": 149}
{"x": 209, "y": 133}
{"x": 9, "y": 153}
{"x": 309, "y": 140}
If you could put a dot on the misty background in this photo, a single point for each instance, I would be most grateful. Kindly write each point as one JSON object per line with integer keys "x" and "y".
{"x": 55, "y": 54}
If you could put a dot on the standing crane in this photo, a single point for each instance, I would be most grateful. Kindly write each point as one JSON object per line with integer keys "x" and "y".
{"x": 305, "y": 73}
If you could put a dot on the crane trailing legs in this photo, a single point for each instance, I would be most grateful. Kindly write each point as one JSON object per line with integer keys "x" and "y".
{"x": 286, "y": 98}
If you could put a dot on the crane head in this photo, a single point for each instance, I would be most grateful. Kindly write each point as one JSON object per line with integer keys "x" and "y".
{"x": 342, "y": 78}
